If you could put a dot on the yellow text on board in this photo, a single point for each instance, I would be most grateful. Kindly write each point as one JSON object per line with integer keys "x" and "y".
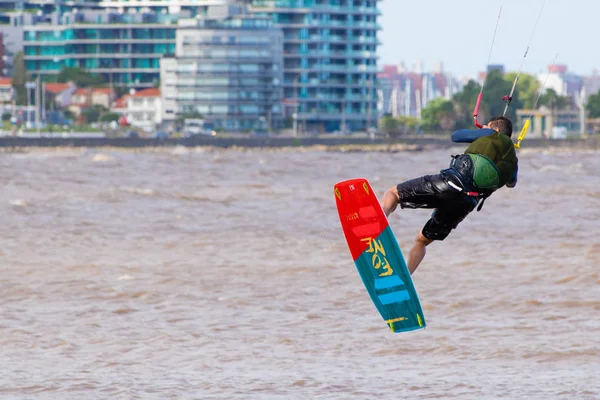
{"x": 378, "y": 258}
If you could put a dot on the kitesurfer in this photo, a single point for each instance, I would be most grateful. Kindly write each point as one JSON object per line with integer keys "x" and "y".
{"x": 489, "y": 163}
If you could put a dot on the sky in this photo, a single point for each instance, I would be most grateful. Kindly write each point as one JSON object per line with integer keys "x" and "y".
{"x": 459, "y": 33}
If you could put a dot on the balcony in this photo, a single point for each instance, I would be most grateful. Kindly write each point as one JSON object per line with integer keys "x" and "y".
{"x": 330, "y": 54}
{"x": 296, "y": 6}
{"x": 78, "y": 56}
{"x": 316, "y": 38}
{"x": 332, "y": 68}
{"x": 333, "y": 24}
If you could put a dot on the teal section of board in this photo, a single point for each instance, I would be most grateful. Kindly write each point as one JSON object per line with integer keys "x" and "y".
{"x": 385, "y": 275}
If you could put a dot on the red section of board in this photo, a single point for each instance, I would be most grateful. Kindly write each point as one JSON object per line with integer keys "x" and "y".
{"x": 360, "y": 213}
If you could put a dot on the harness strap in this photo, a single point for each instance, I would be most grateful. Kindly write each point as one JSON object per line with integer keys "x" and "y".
{"x": 472, "y": 194}
{"x": 480, "y": 206}
{"x": 481, "y": 197}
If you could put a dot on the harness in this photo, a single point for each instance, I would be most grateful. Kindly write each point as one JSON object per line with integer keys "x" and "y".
{"x": 461, "y": 177}
{"x": 479, "y": 197}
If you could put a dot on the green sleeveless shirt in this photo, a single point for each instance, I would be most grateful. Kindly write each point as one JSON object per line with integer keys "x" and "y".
{"x": 494, "y": 160}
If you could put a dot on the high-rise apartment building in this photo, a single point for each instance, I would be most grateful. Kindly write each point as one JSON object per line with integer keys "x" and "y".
{"x": 227, "y": 69}
{"x": 124, "y": 49}
{"x": 122, "y": 41}
{"x": 329, "y": 67}
{"x": 330, "y": 60}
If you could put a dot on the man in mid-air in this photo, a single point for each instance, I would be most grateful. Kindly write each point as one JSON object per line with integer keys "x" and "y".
{"x": 489, "y": 163}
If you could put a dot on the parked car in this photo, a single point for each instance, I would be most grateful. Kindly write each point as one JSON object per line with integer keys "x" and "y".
{"x": 260, "y": 132}
{"x": 193, "y": 127}
{"x": 162, "y": 135}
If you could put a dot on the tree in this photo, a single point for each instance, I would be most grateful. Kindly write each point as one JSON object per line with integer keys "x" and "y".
{"x": 90, "y": 114}
{"x": 526, "y": 90}
{"x": 395, "y": 127}
{"x": 120, "y": 91}
{"x": 496, "y": 87}
{"x": 109, "y": 117}
{"x": 80, "y": 77}
{"x": 409, "y": 122}
{"x": 552, "y": 100}
{"x": 389, "y": 124}
{"x": 464, "y": 103}
{"x": 69, "y": 114}
{"x": 593, "y": 105}
{"x": 439, "y": 114}
{"x": 19, "y": 79}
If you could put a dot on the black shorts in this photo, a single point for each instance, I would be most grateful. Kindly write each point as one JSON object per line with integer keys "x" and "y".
{"x": 433, "y": 191}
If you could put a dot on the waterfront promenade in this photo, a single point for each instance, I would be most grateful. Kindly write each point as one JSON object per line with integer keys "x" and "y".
{"x": 356, "y": 142}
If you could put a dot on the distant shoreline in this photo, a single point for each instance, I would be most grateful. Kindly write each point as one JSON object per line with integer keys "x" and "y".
{"x": 415, "y": 143}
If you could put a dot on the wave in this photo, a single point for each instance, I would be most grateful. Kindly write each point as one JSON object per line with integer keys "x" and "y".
{"x": 18, "y": 203}
{"x": 103, "y": 158}
{"x": 141, "y": 191}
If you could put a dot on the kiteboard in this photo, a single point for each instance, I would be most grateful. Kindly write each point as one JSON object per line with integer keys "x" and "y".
{"x": 377, "y": 256}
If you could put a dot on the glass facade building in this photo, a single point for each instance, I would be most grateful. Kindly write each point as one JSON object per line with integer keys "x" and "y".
{"x": 229, "y": 71}
{"x": 126, "y": 53}
{"x": 192, "y": 7}
{"x": 330, "y": 60}
{"x": 123, "y": 41}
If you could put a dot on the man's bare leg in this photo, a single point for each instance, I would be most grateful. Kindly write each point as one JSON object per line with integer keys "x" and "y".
{"x": 417, "y": 252}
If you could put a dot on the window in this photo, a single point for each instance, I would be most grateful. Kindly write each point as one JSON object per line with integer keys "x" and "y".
{"x": 219, "y": 109}
{"x": 249, "y": 109}
{"x": 248, "y": 67}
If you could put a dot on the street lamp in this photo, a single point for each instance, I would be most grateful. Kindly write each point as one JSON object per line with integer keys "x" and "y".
{"x": 295, "y": 119}
{"x": 28, "y": 87}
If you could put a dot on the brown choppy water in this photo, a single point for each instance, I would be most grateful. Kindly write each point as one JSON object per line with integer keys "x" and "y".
{"x": 201, "y": 274}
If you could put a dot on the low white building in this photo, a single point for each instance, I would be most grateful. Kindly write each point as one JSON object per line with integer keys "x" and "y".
{"x": 6, "y": 91}
{"x": 59, "y": 95}
{"x": 141, "y": 109}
